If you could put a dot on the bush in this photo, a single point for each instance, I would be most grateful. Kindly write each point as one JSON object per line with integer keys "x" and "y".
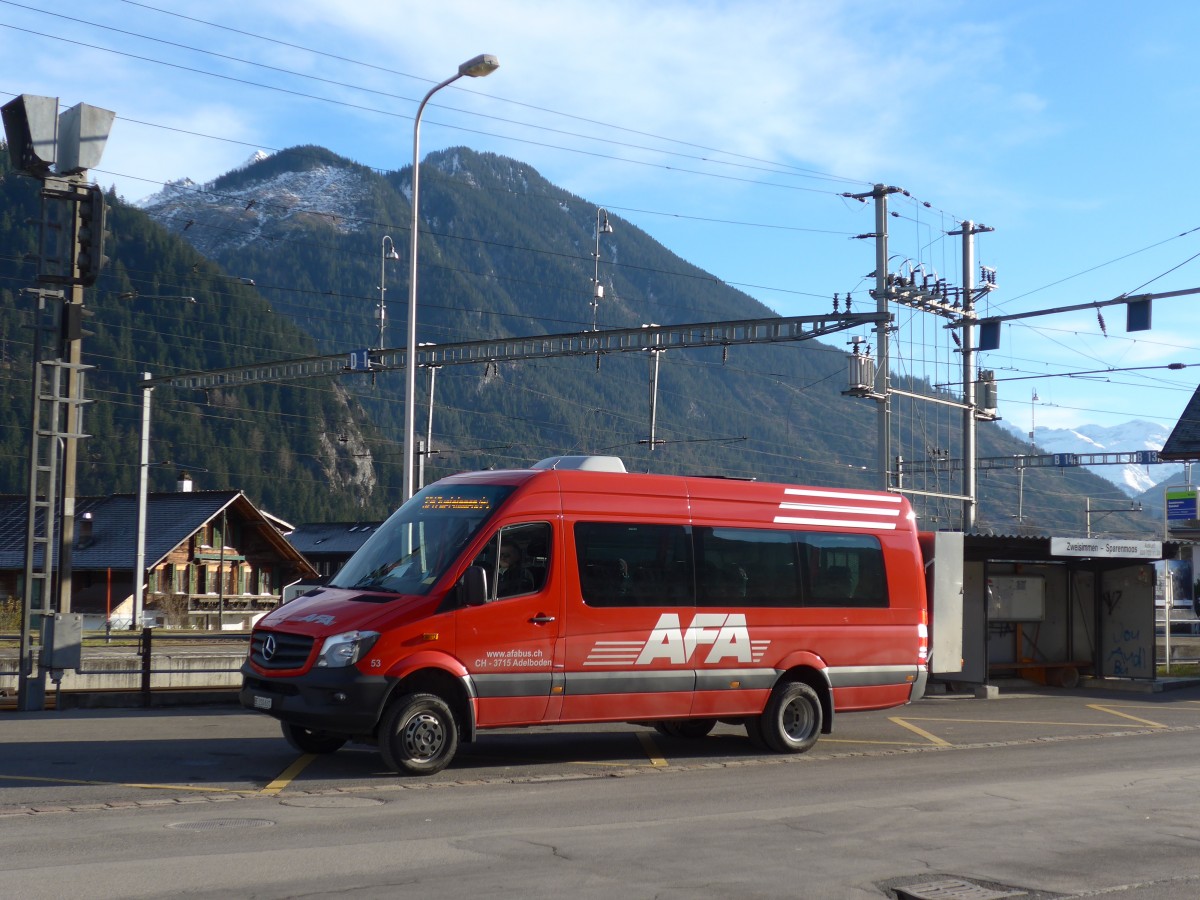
{"x": 11, "y": 609}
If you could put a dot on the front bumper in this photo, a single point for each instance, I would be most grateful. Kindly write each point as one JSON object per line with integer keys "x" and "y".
{"x": 342, "y": 701}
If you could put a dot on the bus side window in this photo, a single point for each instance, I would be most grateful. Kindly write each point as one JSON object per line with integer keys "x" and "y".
{"x": 634, "y": 564}
{"x": 746, "y": 567}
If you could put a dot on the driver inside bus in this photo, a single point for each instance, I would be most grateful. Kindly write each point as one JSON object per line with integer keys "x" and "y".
{"x": 512, "y": 577}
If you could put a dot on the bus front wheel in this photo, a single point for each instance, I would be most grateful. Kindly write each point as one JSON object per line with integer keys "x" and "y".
{"x": 791, "y": 722}
{"x": 418, "y": 735}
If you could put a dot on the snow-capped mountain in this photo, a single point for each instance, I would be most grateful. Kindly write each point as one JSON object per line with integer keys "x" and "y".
{"x": 235, "y": 211}
{"x": 1125, "y": 438}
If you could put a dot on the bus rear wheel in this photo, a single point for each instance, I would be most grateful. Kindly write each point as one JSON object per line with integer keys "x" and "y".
{"x": 418, "y": 735}
{"x": 791, "y": 722}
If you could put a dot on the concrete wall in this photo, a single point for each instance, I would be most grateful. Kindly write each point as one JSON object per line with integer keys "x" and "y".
{"x": 123, "y": 671}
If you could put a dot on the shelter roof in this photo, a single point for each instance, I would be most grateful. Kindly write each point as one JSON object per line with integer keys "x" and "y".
{"x": 1183, "y": 444}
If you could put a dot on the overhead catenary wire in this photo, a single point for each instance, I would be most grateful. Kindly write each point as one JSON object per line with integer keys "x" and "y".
{"x": 914, "y": 354}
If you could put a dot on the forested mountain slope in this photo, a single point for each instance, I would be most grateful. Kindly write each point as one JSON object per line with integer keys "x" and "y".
{"x": 503, "y": 253}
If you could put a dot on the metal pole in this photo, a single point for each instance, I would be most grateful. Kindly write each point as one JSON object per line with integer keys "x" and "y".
{"x": 428, "y": 424}
{"x": 602, "y": 227}
{"x": 596, "y": 276}
{"x": 221, "y": 574}
{"x": 968, "y": 358}
{"x": 139, "y": 565}
{"x": 1021, "y": 494}
{"x": 410, "y": 357}
{"x": 384, "y": 256}
{"x": 882, "y": 377}
{"x": 382, "y": 290}
{"x": 1168, "y": 600}
{"x": 654, "y": 354}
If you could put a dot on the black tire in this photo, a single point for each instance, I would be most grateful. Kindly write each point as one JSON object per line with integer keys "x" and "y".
{"x": 688, "y": 729}
{"x": 754, "y": 732}
{"x": 308, "y": 741}
{"x": 791, "y": 722}
{"x": 418, "y": 735}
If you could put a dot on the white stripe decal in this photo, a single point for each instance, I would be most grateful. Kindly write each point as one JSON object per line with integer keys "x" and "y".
{"x": 862, "y": 510}
{"x": 835, "y": 523}
{"x": 614, "y": 653}
{"x": 845, "y": 495}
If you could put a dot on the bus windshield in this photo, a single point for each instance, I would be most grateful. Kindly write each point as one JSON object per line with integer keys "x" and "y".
{"x": 415, "y": 546}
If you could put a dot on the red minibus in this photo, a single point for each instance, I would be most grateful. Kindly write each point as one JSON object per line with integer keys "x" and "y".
{"x": 576, "y": 592}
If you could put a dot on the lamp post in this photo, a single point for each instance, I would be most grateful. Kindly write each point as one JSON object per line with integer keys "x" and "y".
{"x": 139, "y": 563}
{"x": 385, "y": 255}
{"x": 602, "y": 227}
{"x": 136, "y": 619}
{"x": 484, "y": 64}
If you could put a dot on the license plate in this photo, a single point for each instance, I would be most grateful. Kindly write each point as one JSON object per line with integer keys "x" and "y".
{"x": 262, "y": 702}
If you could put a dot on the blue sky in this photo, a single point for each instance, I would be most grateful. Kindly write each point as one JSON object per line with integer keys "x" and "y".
{"x": 729, "y": 131}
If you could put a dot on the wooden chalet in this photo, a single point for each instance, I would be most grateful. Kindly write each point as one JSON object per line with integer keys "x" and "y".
{"x": 212, "y": 559}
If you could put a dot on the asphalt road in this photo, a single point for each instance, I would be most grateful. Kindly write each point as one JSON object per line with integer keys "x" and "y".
{"x": 1050, "y": 793}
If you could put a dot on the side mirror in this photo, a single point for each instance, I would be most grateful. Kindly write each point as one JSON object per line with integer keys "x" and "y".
{"x": 474, "y": 586}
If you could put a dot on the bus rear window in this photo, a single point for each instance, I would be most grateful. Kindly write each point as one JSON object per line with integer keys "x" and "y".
{"x": 846, "y": 569}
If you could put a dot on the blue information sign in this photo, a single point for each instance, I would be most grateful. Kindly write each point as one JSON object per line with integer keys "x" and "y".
{"x": 1181, "y": 504}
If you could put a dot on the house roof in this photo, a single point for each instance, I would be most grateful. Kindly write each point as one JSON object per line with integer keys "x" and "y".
{"x": 171, "y": 518}
{"x": 325, "y": 538}
{"x": 1184, "y": 443}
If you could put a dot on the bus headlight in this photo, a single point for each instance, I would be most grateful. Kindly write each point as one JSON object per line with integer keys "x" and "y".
{"x": 346, "y": 649}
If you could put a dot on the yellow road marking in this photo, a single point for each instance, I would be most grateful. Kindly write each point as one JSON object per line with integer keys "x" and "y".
{"x": 285, "y": 778}
{"x": 1126, "y": 716}
{"x": 148, "y": 787}
{"x": 651, "y": 749}
{"x": 932, "y": 738}
{"x": 1024, "y": 722}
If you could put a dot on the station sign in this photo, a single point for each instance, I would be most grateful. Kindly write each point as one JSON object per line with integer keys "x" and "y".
{"x": 1113, "y": 548}
{"x": 1181, "y": 504}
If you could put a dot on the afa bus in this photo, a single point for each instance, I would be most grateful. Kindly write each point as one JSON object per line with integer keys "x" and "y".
{"x": 576, "y": 592}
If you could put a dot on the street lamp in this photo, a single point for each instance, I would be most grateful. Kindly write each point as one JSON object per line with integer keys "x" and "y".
{"x": 385, "y": 255}
{"x": 484, "y": 64}
{"x": 602, "y": 227}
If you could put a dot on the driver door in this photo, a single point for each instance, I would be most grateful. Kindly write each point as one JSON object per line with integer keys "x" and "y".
{"x": 508, "y": 643}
